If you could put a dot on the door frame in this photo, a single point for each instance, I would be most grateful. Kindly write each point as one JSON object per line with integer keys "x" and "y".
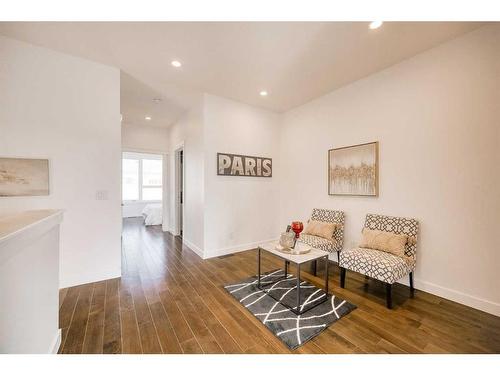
{"x": 179, "y": 184}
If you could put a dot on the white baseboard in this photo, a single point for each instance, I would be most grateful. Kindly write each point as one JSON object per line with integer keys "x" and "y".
{"x": 77, "y": 280}
{"x": 56, "y": 343}
{"x": 193, "y": 247}
{"x": 235, "y": 249}
{"x": 456, "y": 296}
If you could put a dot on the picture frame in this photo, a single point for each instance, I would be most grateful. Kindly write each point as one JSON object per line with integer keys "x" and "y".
{"x": 354, "y": 170}
{"x": 24, "y": 177}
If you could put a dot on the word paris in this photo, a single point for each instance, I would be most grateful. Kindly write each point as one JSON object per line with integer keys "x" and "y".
{"x": 240, "y": 165}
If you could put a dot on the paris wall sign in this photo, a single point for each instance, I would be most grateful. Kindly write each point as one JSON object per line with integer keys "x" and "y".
{"x": 243, "y": 165}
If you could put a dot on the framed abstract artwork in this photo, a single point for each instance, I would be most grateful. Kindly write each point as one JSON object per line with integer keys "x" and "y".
{"x": 353, "y": 170}
{"x": 24, "y": 177}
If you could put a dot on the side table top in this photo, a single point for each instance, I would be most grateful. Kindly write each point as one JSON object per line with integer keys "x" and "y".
{"x": 297, "y": 259}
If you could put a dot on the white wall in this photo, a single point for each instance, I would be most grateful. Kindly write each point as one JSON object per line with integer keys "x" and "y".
{"x": 240, "y": 212}
{"x": 188, "y": 133}
{"x": 437, "y": 118}
{"x": 224, "y": 214}
{"x": 67, "y": 109}
{"x": 144, "y": 138}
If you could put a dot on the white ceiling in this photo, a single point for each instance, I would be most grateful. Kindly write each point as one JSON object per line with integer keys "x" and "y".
{"x": 294, "y": 61}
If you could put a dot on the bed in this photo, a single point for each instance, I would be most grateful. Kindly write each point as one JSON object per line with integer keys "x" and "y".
{"x": 153, "y": 214}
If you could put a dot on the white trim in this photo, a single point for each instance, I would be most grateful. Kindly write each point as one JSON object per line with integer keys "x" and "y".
{"x": 456, "y": 296}
{"x": 193, "y": 247}
{"x": 235, "y": 249}
{"x": 56, "y": 343}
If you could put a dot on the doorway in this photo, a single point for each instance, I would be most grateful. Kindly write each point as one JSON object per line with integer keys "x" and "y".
{"x": 179, "y": 190}
{"x": 142, "y": 187}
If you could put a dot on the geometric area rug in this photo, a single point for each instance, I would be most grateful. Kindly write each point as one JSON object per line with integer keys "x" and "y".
{"x": 294, "y": 330}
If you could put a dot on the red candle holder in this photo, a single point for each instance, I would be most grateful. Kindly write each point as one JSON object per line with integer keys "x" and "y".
{"x": 297, "y": 227}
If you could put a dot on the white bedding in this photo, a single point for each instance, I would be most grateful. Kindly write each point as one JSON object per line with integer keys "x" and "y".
{"x": 153, "y": 214}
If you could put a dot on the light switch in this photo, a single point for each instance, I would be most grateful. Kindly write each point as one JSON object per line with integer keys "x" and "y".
{"x": 101, "y": 195}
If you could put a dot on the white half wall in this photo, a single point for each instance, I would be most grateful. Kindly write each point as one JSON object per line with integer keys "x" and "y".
{"x": 67, "y": 110}
{"x": 437, "y": 118}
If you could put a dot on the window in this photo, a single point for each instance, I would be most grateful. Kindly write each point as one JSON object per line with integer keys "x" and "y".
{"x": 142, "y": 177}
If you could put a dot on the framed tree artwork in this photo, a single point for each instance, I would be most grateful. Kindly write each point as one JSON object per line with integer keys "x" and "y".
{"x": 353, "y": 170}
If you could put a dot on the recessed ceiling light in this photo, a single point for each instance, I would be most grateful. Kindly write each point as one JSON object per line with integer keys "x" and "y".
{"x": 176, "y": 64}
{"x": 156, "y": 100}
{"x": 263, "y": 93}
{"x": 375, "y": 24}
{"x": 147, "y": 118}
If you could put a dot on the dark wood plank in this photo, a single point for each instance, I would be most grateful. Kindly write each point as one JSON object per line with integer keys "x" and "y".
{"x": 92, "y": 343}
{"x": 62, "y": 295}
{"x": 166, "y": 333}
{"x": 78, "y": 326}
{"x": 130, "y": 340}
{"x": 112, "y": 325}
{"x": 68, "y": 306}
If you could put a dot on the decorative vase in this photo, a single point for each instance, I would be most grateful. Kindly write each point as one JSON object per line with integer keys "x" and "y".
{"x": 287, "y": 240}
{"x": 297, "y": 227}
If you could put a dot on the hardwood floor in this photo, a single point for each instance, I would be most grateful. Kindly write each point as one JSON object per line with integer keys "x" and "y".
{"x": 169, "y": 300}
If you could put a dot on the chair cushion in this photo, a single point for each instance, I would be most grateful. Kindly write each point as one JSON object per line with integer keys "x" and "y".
{"x": 318, "y": 242}
{"x": 377, "y": 264}
{"x": 320, "y": 228}
{"x": 384, "y": 241}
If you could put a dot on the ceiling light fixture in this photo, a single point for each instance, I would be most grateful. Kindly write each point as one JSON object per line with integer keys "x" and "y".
{"x": 375, "y": 25}
{"x": 156, "y": 100}
{"x": 263, "y": 93}
{"x": 176, "y": 64}
{"x": 147, "y": 118}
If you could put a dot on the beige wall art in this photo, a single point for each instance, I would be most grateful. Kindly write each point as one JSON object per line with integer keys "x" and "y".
{"x": 24, "y": 177}
{"x": 353, "y": 170}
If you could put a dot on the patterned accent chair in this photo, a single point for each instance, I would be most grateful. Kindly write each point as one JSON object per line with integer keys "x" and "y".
{"x": 379, "y": 264}
{"x": 337, "y": 241}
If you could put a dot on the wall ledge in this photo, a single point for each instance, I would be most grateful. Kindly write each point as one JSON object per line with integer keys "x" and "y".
{"x": 18, "y": 230}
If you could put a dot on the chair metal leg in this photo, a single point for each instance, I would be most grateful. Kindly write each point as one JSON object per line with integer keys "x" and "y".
{"x": 342, "y": 277}
{"x": 298, "y": 287}
{"x": 258, "y": 267}
{"x": 326, "y": 275}
{"x": 412, "y": 289}
{"x": 388, "y": 291}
